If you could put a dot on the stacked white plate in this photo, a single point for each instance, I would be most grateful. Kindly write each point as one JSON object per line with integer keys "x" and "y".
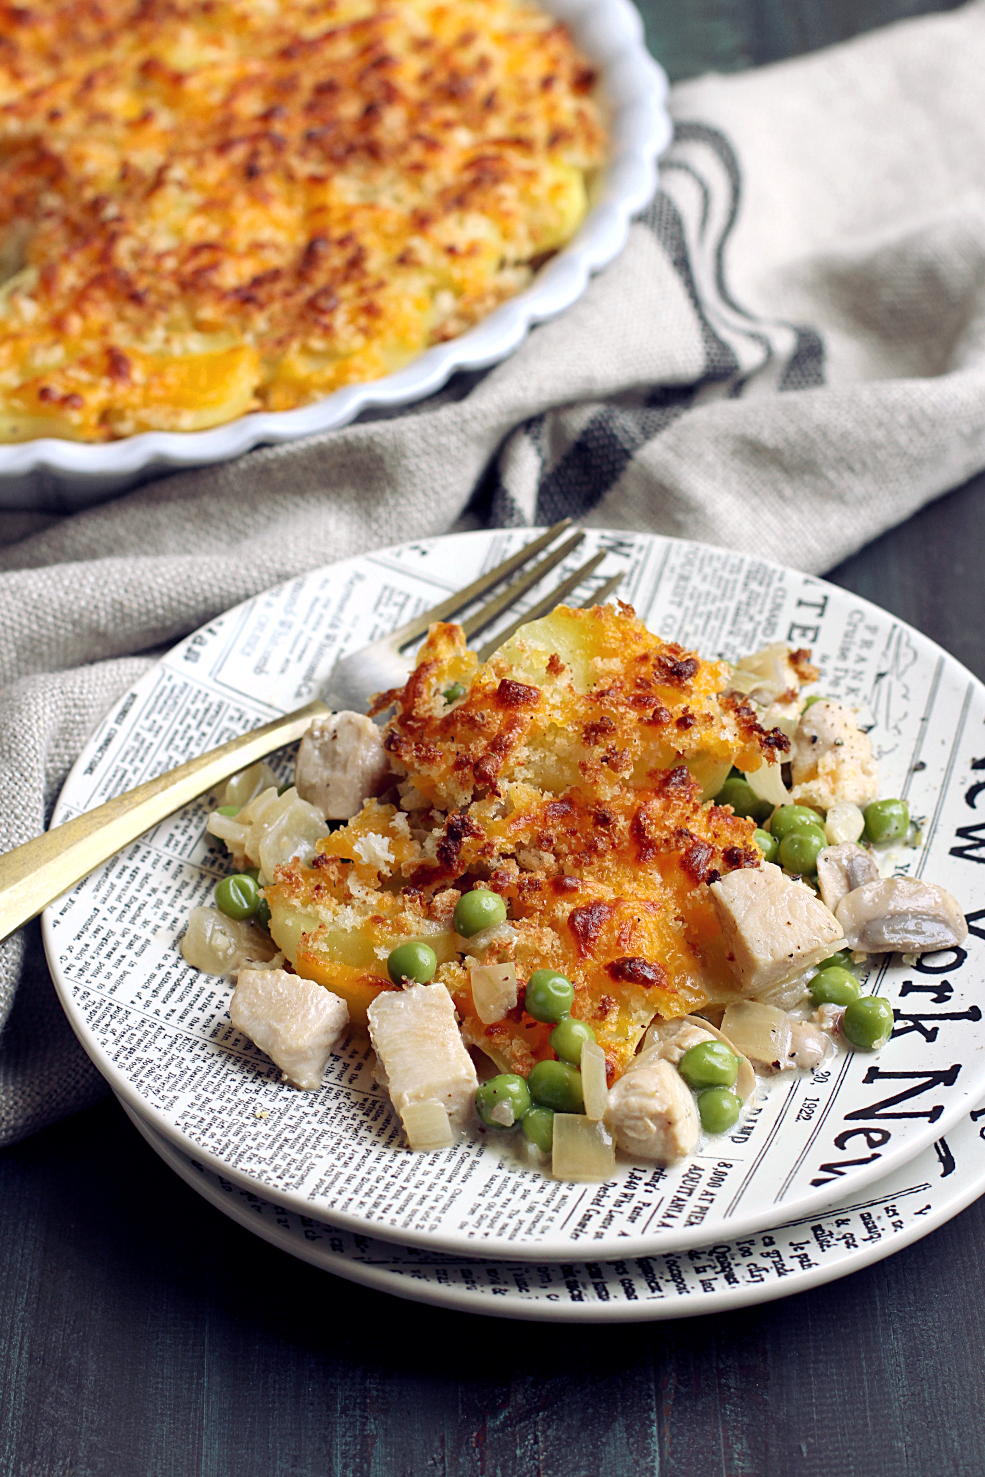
{"x": 830, "y": 1170}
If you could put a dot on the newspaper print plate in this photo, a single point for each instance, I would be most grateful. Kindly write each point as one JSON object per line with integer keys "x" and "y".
{"x": 896, "y": 1211}
{"x": 160, "y": 1032}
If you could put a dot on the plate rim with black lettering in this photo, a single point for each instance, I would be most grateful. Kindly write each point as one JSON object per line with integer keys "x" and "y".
{"x": 937, "y": 1185}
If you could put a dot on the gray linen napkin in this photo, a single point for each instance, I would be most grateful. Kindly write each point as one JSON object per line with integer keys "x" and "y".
{"x": 788, "y": 358}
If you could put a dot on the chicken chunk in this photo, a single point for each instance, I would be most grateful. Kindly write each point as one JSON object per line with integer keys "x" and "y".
{"x": 296, "y": 1022}
{"x": 341, "y": 762}
{"x": 840, "y": 869}
{"x": 417, "y": 1042}
{"x": 901, "y": 915}
{"x": 831, "y": 759}
{"x": 651, "y": 1111}
{"x": 773, "y": 927}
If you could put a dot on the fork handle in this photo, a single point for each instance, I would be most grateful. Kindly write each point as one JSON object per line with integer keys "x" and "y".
{"x": 35, "y": 874}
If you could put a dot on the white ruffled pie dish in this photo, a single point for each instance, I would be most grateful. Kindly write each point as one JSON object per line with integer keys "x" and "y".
{"x": 54, "y": 475}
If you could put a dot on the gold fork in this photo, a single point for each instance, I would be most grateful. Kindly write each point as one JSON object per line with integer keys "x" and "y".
{"x": 35, "y": 874}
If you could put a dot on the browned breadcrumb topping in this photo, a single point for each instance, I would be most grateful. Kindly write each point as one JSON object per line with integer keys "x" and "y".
{"x": 564, "y": 780}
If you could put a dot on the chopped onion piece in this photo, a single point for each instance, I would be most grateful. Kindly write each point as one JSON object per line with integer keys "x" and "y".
{"x": 494, "y": 991}
{"x": 760, "y": 1032}
{"x": 295, "y": 833}
{"x": 230, "y": 830}
{"x": 771, "y": 664}
{"x": 785, "y": 996}
{"x": 248, "y": 783}
{"x": 844, "y": 822}
{"x": 487, "y": 938}
{"x": 743, "y": 681}
{"x": 221, "y": 945}
{"x": 595, "y": 1088}
{"x": 243, "y": 832}
{"x": 745, "y": 1082}
{"x": 767, "y": 783}
{"x": 777, "y": 715}
{"x": 256, "y": 808}
{"x": 427, "y": 1126}
{"x": 584, "y": 1150}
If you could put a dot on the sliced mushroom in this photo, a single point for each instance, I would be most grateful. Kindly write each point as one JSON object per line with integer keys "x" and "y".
{"x": 901, "y": 915}
{"x": 773, "y": 928}
{"x": 671, "y": 1039}
{"x": 341, "y": 762}
{"x": 840, "y": 869}
{"x": 831, "y": 759}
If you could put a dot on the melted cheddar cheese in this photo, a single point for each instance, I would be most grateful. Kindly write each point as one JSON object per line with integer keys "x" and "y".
{"x": 571, "y": 776}
{"x": 209, "y": 207}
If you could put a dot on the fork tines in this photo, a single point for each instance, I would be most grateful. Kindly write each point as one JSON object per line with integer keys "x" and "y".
{"x": 514, "y": 591}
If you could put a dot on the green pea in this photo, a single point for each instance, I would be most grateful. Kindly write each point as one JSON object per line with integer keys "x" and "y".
{"x": 743, "y": 799}
{"x": 556, "y": 1085}
{"x": 506, "y": 1088}
{"x": 569, "y": 1037}
{"x": 868, "y": 1023}
{"x": 414, "y": 961}
{"x": 843, "y": 959}
{"x": 834, "y": 986}
{"x": 767, "y": 844}
{"x": 262, "y": 914}
{"x": 800, "y": 849}
{"x": 709, "y": 1064}
{"x": 814, "y": 698}
{"x": 229, "y": 810}
{"x": 792, "y": 818}
{"x": 453, "y": 693}
{"x": 549, "y": 996}
{"x": 237, "y": 896}
{"x": 538, "y": 1127}
{"x": 478, "y": 910}
{"x": 718, "y": 1109}
{"x": 886, "y": 820}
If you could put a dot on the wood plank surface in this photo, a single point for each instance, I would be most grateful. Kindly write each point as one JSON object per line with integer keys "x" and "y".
{"x": 142, "y": 1334}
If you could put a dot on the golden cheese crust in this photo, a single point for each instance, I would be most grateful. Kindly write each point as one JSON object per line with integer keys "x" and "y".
{"x": 583, "y": 697}
{"x": 214, "y": 206}
{"x": 561, "y": 776}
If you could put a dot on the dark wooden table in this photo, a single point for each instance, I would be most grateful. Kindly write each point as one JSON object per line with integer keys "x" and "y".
{"x": 145, "y": 1335}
